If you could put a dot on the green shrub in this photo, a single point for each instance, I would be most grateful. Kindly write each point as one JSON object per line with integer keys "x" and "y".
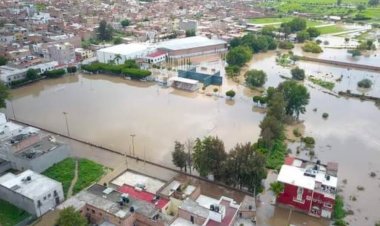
{"x": 365, "y": 83}
{"x": 312, "y": 47}
{"x": 285, "y": 45}
{"x": 136, "y": 73}
{"x": 325, "y": 115}
{"x": 55, "y": 73}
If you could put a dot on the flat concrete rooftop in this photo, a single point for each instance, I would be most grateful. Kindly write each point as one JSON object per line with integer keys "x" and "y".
{"x": 32, "y": 188}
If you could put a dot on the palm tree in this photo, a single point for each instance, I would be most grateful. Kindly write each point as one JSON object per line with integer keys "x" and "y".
{"x": 117, "y": 58}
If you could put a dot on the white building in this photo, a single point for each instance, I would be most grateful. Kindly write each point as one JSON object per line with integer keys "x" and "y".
{"x": 119, "y": 53}
{"x": 31, "y": 191}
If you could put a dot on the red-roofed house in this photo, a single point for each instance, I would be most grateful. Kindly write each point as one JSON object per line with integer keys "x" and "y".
{"x": 308, "y": 186}
{"x": 156, "y": 57}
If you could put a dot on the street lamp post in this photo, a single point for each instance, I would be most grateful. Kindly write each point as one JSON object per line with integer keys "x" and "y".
{"x": 133, "y": 144}
{"x": 13, "y": 110}
{"x": 67, "y": 124}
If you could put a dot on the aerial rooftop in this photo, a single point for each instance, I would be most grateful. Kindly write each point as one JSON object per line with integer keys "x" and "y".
{"x": 45, "y": 145}
{"x": 126, "y": 49}
{"x": 28, "y": 183}
{"x": 189, "y": 43}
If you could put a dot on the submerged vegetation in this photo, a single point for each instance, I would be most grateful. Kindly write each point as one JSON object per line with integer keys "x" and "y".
{"x": 325, "y": 84}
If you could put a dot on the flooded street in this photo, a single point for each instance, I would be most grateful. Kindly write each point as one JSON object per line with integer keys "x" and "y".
{"x": 106, "y": 110}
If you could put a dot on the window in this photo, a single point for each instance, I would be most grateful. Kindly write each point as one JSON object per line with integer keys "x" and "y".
{"x": 55, "y": 193}
{"x": 327, "y": 205}
{"x": 49, "y": 195}
{"x": 93, "y": 211}
{"x": 299, "y": 193}
{"x": 44, "y": 197}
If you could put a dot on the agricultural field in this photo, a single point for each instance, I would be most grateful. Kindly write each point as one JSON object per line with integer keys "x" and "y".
{"x": 318, "y": 7}
{"x": 331, "y": 29}
{"x": 276, "y": 21}
{"x": 11, "y": 215}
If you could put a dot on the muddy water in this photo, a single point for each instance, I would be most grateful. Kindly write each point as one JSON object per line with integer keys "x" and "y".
{"x": 350, "y": 136}
{"x": 107, "y": 110}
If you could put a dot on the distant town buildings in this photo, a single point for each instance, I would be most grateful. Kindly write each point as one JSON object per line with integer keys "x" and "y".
{"x": 310, "y": 187}
{"x": 31, "y": 191}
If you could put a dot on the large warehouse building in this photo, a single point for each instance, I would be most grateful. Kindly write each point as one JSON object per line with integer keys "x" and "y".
{"x": 192, "y": 47}
{"x": 175, "y": 49}
{"x": 119, "y": 53}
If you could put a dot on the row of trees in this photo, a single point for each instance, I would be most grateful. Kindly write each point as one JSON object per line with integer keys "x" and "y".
{"x": 242, "y": 167}
{"x": 287, "y": 101}
{"x": 128, "y": 69}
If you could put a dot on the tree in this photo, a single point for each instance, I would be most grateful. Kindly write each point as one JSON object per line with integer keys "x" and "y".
{"x": 277, "y": 188}
{"x": 365, "y": 83}
{"x": 313, "y": 32}
{"x": 354, "y": 52}
{"x": 239, "y": 56}
{"x": 104, "y": 31}
{"x": 179, "y": 156}
{"x": 230, "y": 93}
{"x": 360, "y": 7}
{"x": 297, "y": 24}
{"x": 190, "y": 33}
{"x": 208, "y": 154}
{"x": 125, "y": 23}
{"x": 338, "y": 2}
{"x": 4, "y": 94}
{"x": 297, "y": 73}
{"x": 346, "y": 40}
{"x": 268, "y": 30}
{"x": 271, "y": 129}
{"x": 302, "y": 36}
{"x": 117, "y": 40}
{"x": 3, "y": 61}
{"x": 255, "y": 78}
{"x": 31, "y": 74}
{"x": 69, "y": 217}
{"x": 244, "y": 167}
{"x": 373, "y": 2}
{"x": 296, "y": 97}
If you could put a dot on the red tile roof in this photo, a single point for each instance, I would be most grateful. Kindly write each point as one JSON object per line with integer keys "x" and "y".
{"x": 156, "y": 54}
{"x": 289, "y": 161}
{"x": 143, "y": 195}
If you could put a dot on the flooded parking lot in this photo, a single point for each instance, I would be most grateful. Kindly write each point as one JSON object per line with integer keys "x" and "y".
{"x": 107, "y": 110}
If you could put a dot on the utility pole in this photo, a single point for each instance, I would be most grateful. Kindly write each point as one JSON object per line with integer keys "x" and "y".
{"x": 67, "y": 124}
{"x": 13, "y": 110}
{"x": 133, "y": 144}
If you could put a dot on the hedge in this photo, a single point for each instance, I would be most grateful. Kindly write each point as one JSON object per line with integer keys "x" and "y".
{"x": 128, "y": 69}
{"x": 55, "y": 73}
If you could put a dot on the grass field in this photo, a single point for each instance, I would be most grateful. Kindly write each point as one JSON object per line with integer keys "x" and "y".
{"x": 331, "y": 29}
{"x": 62, "y": 172}
{"x": 88, "y": 173}
{"x": 11, "y": 215}
{"x": 276, "y": 21}
{"x": 319, "y": 7}
{"x": 269, "y": 20}
{"x": 374, "y": 13}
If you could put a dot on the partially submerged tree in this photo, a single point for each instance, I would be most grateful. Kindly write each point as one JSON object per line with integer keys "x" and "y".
{"x": 179, "y": 156}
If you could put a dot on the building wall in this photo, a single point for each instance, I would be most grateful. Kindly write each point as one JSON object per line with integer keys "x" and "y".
{"x": 106, "y": 57}
{"x": 44, "y": 161}
{"x": 49, "y": 200}
{"x": 29, "y": 205}
{"x": 187, "y": 216}
{"x": 212, "y": 49}
{"x": 288, "y": 197}
{"x": 18, "y": 200}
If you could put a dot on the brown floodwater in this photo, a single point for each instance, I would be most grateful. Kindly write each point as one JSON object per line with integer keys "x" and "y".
{"x": 106, "y": 110}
